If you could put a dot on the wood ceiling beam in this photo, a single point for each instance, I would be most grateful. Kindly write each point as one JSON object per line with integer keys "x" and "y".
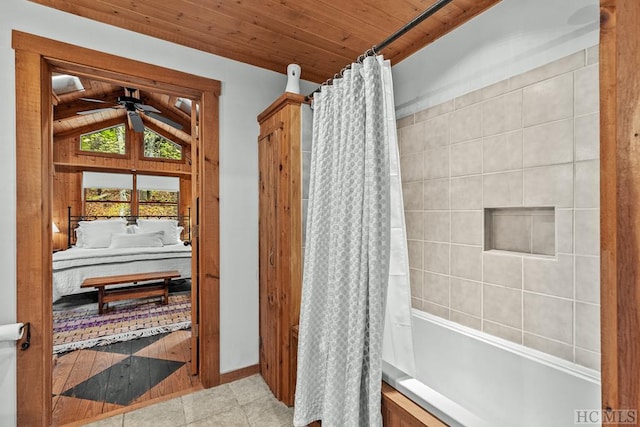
{"x": 170, "y": 101}
{"x": 170, "y": 84}
{"x": 181, "y": 138}
{"x": 167, "y": 112}
{"x": 87, "y": 84}
{"x": 91, "y": 128}
{"x": 75, "y": 167}
{"x": 68, "y": 110}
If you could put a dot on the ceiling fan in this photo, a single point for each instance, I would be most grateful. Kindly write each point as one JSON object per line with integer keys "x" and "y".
{"x": 134, "y": 107}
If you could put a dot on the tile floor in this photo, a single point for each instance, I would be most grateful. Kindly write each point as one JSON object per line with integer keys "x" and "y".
{"x": 244, "y": 403}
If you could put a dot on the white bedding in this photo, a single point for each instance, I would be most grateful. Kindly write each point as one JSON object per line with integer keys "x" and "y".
{"x": 72, "y": 266}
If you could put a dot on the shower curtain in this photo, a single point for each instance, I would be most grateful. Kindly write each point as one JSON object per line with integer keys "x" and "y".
{"x": 397, "y": 344}
{"x": 346, "y": 266}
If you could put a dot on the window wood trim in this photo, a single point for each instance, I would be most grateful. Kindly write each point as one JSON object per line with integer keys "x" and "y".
{"x": 127, "y": 144}
{"x": 163, "y": 133}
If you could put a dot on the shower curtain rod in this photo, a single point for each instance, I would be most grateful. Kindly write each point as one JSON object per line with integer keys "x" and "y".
{"x": 375, "y": 49}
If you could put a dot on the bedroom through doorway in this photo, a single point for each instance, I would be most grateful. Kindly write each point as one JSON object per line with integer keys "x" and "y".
{"x": 159, "y": 213}
{"x": 122, "y": 253}
{"x": 115, "y": 214}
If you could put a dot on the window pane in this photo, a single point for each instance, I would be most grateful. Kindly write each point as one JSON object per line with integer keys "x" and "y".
{"x": 157, "y": 146}
{"x": 157, "y": 210}
{"x": 107, "y": 195}
{"x": 158, "y": 196}
{"x": 107, "y": 202}
{"x": 110, "y": 140}
{"x": 157, "y": 203}
{"x": 107, "y": 209}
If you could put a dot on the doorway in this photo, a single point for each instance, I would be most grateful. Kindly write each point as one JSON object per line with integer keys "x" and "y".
{"x": 36, "y": 57}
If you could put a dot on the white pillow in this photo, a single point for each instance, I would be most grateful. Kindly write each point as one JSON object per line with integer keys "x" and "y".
{"x": 137, "y": 240}
{"x": 79, "y": 240}
{"x": 169, "y": 226}
{"x": 103, "y": 222}
{"x": 97, "y": 234}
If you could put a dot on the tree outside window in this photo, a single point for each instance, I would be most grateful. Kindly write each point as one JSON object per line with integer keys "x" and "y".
{"x": 107, "y": 202}
{"x": 109, "y": 141}
{"x": 159, "y": 147}
{"x": 157, "y": 203}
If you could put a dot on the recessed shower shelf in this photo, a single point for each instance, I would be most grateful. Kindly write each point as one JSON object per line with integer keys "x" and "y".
{"x": 525, "y": 231}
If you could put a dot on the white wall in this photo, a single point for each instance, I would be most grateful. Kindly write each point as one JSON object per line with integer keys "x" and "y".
{"x": 246, "y": 91}
{"x": 512, "y": 37}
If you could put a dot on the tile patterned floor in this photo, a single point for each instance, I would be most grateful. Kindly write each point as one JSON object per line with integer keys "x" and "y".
{"x": 244, "y": 403}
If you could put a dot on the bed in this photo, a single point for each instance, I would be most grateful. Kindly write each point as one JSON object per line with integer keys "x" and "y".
{"x": 104, "y": 246}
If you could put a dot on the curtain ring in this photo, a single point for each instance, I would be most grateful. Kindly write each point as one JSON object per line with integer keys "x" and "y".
{"x": 373, "y": 50}
{"x": 361, "y": 58}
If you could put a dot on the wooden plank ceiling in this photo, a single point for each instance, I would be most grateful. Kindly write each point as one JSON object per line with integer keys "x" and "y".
{"x": 321, "y": 35}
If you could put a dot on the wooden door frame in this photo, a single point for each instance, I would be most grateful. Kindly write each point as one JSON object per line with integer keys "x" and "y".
{"x": 620, "y": 203}
{"x": 34, "y": 58}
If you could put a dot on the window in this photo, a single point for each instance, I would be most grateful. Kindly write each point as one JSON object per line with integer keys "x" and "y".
{"x": 110, "y": 194}
{"x": 159, "y": 147}
{"x": 158, "y": 195}
{"x": 157, "y": 203}
{"x": 107, "y": 194}
{"x": 107, "y": 202}
{"x": 108, "y": 141}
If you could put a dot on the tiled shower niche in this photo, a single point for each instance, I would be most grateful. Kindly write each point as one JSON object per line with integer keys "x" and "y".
{"x": 529, "y": 231}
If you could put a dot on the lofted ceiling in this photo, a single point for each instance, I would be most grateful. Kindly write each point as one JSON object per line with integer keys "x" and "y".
{"x": 70, "y": 103}
{"x": 321, "y": 35}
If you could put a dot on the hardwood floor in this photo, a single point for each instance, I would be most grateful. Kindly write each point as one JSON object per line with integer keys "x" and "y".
{"x": 89, "y": 382}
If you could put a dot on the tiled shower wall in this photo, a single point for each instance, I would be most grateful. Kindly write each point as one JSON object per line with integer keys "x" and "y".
{"x": 529, "y": 141}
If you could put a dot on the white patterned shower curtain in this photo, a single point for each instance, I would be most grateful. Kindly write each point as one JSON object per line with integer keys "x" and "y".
{"x": 346, "y": 269}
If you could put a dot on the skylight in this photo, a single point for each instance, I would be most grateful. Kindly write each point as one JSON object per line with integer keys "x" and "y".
{"x": 64, "y": 83}
{"x": 184, "y": 104}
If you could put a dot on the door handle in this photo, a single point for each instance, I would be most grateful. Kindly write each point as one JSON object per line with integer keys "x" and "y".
{"x": 271, "y": 259}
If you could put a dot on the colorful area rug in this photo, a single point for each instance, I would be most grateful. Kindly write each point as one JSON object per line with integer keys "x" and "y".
{"x": 83, "y": 327}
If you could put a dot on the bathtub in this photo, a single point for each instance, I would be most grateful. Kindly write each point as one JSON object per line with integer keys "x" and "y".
{"x": 468, "y": 378}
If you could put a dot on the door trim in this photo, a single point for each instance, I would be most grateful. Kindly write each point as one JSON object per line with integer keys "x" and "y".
{"x": 34, "y": 58}
{"x": 620, "y": 205}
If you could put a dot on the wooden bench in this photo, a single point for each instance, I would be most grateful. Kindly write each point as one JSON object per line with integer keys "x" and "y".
{"x": 142, "y": 291}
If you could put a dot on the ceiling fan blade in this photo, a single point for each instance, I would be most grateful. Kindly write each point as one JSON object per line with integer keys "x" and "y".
{"x": 99, "y": 101}
{"x": 147, "y": 108}
{"x": 99, "y": 110}
{"x": 164, "y": 120}
{"x": 136, "y": 122}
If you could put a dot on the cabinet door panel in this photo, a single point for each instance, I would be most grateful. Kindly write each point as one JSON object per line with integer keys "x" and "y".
{"x": 269, "y": 324}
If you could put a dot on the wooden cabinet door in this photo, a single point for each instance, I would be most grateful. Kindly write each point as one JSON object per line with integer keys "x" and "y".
{"x": 269, "y": 292}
